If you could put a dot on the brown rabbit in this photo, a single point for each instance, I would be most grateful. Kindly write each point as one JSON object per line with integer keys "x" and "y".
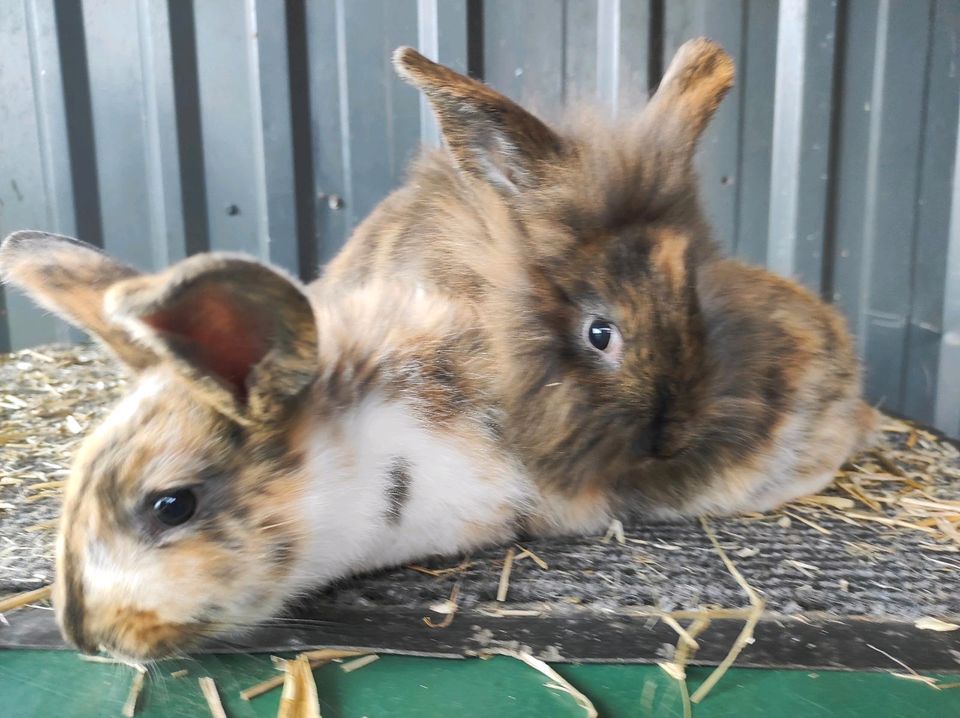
{"x": 638, "y": 368}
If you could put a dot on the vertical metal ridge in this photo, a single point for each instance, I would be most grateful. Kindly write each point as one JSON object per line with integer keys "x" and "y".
{"x": 428, "y": 42}
{"x": 947, "y": 406}
{"x": 743, "y": 69}
{"x": 81, "y": 141}
{"x": 655, "y": 44}
{"x": 787, "y": 136}
{"x": 917, "y": 198}
{"x": 800, "y": 150}
{"x": 343, "y": 91}
{"x": 166, "y": 233}
{"x": 259, "y": 150}
{"x": 827, "y": 275}
{"x": 873, "y": 162}
{"x": 608, "y": 54}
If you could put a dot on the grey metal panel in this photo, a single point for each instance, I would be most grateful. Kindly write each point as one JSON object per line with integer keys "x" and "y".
{"x": 327, "y": 85}
{"x": 718, "y": 156}
{"x": 947, "y": 407}
{"x": 890, "y": 177}
{"x": 523, "y": 52}
{"x": 31, "y": 127}
{"x": 585, "y": 48}
{"x": 162, "y": 159}
{"x": 932, "y": 235}
{"x": 623, "y": 51}
{"x": 273, "y": 145}
{"x": 128, "y": 202}
{"x": 757, "y": 81}
{"x": 801, "y": 139}
{"x": 224, "y": 43}
{"x": 946, "y": 34}
{"x": 381, "y": 111}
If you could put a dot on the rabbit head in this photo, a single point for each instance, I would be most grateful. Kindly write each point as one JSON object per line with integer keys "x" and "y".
{"x": 595, "y": 315}
{"x": 176, "y": 522}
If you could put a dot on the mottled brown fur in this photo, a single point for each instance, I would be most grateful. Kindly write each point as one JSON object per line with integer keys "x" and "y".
{"x": 733, "y": 383}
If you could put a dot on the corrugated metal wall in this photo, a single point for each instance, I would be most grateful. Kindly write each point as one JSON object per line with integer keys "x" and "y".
{"x": 158, "y": 128}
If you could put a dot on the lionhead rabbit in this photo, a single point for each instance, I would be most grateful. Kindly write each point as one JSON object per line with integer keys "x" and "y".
{"x": 271, "y": 441}
{"x": 637, "y": 368}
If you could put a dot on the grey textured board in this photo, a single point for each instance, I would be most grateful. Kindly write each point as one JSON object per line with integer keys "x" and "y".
{"x": 859, "y": 583}
{"x": 597, "y": 602}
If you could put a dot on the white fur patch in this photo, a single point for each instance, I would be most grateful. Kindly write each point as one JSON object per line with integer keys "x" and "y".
{"x": 459, "y": 493}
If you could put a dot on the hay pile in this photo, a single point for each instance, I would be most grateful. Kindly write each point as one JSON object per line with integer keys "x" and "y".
{"x": 49, "y": 399}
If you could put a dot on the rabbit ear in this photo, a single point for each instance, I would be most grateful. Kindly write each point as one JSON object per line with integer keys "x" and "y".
{"x": 240, "y": 332}
{"x": 70, "y": 277}
{"x": 697, "y": 79}
{"x": 489, "y": 136}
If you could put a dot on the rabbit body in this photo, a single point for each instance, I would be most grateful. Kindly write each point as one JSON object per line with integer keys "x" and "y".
{"x": 309, "y": 434}
{"x": 732, "y": 390}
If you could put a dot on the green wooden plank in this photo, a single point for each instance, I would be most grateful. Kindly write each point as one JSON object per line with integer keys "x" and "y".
{"x": 35, "y": 683}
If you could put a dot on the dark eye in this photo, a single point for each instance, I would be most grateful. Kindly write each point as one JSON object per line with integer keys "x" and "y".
{"x": 174, "y": 508}
{"x": 604, "y": 338}
{"x": 599, "y": 333}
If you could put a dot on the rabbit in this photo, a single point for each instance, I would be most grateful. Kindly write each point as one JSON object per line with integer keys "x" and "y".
{"x": 639, "y": 370}
{"x": 273, "y": 438}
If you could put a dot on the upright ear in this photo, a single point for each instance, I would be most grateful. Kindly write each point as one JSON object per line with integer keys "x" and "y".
{"x": 70, "y": 278}
{"x": 696, "y": 81}
{"x": 243, "y": 334}
{"x": 489, "y": 136}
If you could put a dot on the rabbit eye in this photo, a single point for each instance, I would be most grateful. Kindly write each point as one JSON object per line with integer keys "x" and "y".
{"x": 605, "y": 338}
{"x": 174, "y": 508}
{"x": 600, "y": 333}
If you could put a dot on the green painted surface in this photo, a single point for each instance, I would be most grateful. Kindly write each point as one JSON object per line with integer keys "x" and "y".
{"x": 47, "y": 683}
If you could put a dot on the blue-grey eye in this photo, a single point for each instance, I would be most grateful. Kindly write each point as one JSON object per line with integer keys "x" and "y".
{"x": 175, "y": 508}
